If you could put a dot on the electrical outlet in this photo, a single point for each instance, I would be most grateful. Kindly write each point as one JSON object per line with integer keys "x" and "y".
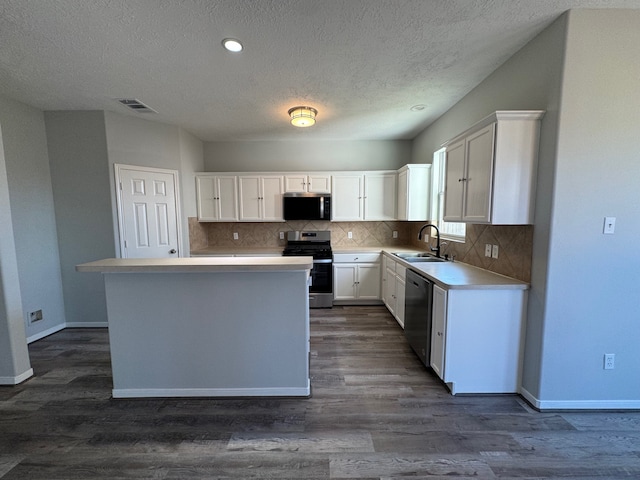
{"x": 235, "y": 235}
{"x": 349, "y": 234}
{"x": 487, "y": 250}
{"x": 395, "y": 234}
{"x": 281, "y": 235}
{"x": 494, "y": 251}
{"x": 609, "y": 361}
{"x": 35, "y": 316}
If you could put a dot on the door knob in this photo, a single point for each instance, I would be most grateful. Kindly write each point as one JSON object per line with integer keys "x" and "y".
{"x": 173, "y": 250}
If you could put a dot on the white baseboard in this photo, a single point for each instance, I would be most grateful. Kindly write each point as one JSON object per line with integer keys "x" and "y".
{"x": 57, "y": 328}
{"x": 212, "y": 392}
{"x": 86, "y": 325}
{"x": 580, "y": 404}
{"x": 17, "y": 379}
{"x": 45, "y": 333}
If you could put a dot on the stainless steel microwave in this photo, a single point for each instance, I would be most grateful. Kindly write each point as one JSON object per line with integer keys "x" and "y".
{"x": 306, "y": 206}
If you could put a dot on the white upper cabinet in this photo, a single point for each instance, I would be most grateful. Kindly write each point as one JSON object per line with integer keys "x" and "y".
{"x": 491, "y": 170}
{"x": 414, "y": 192}
{"x": 217, "y": 198}
{"x": 312, "y": 183}
{"x": 364, "y": 196}
{"x": 346, "y": 197}
{"x": 261, "y": 197}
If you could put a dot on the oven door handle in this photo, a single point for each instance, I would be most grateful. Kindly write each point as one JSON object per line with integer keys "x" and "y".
{"x": 324, "y": 260}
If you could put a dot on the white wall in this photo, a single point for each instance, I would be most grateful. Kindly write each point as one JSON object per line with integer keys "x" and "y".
{"x": 582, "y": 303}
{"x": 80, "y": 178}
{"x": 32, "y": 208}
{"x": 306, "y": 155}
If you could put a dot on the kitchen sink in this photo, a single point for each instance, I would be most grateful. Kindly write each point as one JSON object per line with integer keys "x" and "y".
{"x": 418, "y": 257}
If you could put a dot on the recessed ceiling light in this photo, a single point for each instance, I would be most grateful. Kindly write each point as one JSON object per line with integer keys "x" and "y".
{"x": 418, "y": 108}
{"x": 232, "y": 45}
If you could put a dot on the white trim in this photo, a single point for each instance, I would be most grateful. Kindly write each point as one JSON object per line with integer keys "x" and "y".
{"x": 17, "y": 379}
{"x": 57, "y": 328}
{"x": 46, "y": 333}
{"x": 176, "y": 189}
{"x": 87, "y": 325}
{"x": 212, "y": 392}
{"x": 580, "y": 404}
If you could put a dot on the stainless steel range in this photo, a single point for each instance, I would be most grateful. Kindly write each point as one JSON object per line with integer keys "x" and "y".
{"x": 316, "y": 244}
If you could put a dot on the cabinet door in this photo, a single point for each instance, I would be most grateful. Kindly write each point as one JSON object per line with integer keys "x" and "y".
{"x": 206, "y": 198}
{"x": 403, "y": 190}
{"x": 438, "y": 330}
{"x": 319, "y": 184}
{"x": 216, "y": 198}
{"x": 227, "y": 199}
{"x": 272, "y": 188}
{"x": 479, "y": 176}
{"x": 454, "y": 182}
{"x": 344, "y": 281}
{"x": 346, "y": 198}
{"x": 389, "y": 291}
{"x": 250, "y": 208}
{"x": 368, "y": 281}
{"x": 400, "y": 284}
{"x": 295, "y": 183}
{"x": 380, "y": 196}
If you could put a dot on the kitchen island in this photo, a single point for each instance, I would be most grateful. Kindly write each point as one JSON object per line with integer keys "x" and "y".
{"x": 215, "y": 327}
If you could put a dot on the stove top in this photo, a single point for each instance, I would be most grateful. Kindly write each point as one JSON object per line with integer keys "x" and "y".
{"x": 309, "y": 243}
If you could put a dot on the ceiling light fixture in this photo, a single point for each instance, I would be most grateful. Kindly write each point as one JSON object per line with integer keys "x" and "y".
{"x": 418, "y": 108}
{"x": 303, "y": 116}
{"x": 232, "y": 45}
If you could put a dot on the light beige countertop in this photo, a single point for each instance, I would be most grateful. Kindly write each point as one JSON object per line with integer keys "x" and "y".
{"x": 197, "y": 264}
{"x": 237, "y": 251}
{"x": 447, "y": 274}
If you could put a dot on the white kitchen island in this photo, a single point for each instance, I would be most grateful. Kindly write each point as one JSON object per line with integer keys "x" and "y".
{"x": 212, "y": 327}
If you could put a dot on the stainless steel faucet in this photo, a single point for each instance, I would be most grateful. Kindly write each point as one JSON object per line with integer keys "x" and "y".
{"x": 437, "y": 248}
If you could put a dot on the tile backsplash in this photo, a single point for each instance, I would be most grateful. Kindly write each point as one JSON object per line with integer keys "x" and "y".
{"x": 515, "y": 242}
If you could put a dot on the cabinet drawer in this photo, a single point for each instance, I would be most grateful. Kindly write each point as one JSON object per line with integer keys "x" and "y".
{"x": 401, "y": 271}
{"x": 356, "y": 257}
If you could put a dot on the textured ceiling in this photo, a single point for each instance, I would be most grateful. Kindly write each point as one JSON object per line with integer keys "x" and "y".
{"x": 362, "y": 63}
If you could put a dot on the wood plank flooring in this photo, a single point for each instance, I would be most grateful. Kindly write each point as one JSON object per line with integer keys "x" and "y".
{"x": 375, "y": 413}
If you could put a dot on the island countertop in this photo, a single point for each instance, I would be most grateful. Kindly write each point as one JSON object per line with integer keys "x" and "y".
{"x": 197, "y": 264}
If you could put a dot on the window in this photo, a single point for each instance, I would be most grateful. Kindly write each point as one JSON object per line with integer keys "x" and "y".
{"x": 453, "y": 231}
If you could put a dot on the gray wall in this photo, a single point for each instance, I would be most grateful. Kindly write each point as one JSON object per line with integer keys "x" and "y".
{"x": 306, "y": 155}
{"x": 32, "y": 207}
{"x": 80, "y": 178}
{"x": 581, "y": 303}
{"x": 14, "y": 356}
{"x": 141, "y": 142}
{"x": 592, "y": 305}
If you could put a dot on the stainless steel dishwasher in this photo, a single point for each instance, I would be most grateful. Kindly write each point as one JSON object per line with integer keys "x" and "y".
{"x": 417, "y": 319}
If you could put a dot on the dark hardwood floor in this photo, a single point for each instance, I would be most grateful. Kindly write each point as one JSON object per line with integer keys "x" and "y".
{"x": 375, "y": 413}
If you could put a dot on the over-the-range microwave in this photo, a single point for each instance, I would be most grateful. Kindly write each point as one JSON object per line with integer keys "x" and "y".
{"x": 306, "y": 206}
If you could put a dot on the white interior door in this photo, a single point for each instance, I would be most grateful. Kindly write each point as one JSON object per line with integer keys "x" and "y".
{"x": 148, "y": 212}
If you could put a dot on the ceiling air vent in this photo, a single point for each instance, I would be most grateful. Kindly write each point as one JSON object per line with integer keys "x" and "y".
{"x": 136, "y": 105}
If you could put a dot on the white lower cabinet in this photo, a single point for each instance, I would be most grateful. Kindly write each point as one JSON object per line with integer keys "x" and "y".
{"x": 393, "y": 283}
{"x": 476, "y": 339}
{"x": 356, "y": 278}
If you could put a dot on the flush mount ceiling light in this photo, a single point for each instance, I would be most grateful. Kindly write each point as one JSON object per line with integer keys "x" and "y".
{"x": 232, "y": 45}
{"x": 303, "y": 116}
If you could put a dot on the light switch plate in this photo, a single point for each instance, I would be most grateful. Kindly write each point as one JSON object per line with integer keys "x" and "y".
{"x": 494, "y": 251}
{"x": 349, "y": 235}
{"x": 487, "y": 250}
{"x": 235, "y": 235}
{"x": 609, "y": 225}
